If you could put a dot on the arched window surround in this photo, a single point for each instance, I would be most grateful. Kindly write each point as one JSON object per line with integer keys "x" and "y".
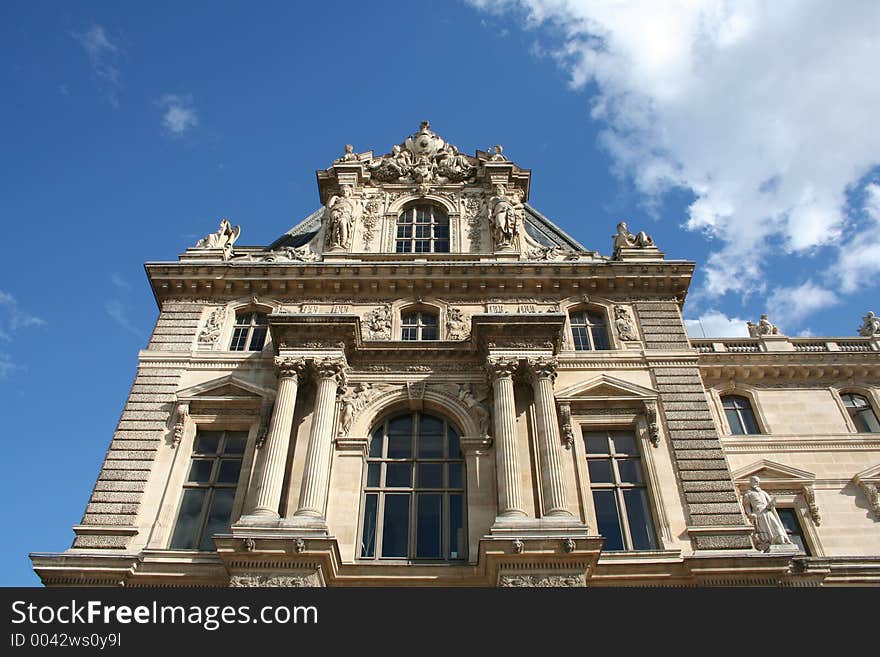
{"x": 422, "y": 228}
{"x": 241, "y": 306}
{"x": 414, "y": 480}
{"x": 395, "y": 209}
{"x": 422, "y": 308}
{"x": 748, "y": 393}
{"x": 868, "y": 394}
{"x": 593, "y": 308}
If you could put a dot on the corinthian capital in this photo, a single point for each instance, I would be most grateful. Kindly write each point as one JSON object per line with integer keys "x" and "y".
{"x": 287, "y": 367}
{"x": 331, "y": 368}
{"x": 500, "y": 367}
{"x": 542, "y": 367}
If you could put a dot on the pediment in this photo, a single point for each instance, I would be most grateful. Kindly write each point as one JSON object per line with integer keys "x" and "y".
{"x": 872, "y": 475}
{"x": 606, "y": 388}
{"x": 773, "y": 474}
{"x": 227, "y": 388}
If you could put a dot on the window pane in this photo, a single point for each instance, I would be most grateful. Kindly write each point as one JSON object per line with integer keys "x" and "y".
{"x": 793, "y": 528}
{"x": 641, "y": 528}
{"x": 736, "y": 426}
{"x": 429, "y": 320}
{"x": 258, "y": 338}
{"x": 581, "y": 340}
{"x": 431, "y": 446}
{"x": 207, "y": 442}
{"x": 441, "y": 246}
{"x": 229, "y": 470}
{"x": 600, "y": 471}
{"x": 596, "y": 443}
{"x": 243, "y": 319}
{"x": 235, "y": 442}
{"x": 430, "y": 425}
{"x": 218, "y": 517}
{"x": 185, "y": 532}
{"x": 608, "y": 519}
{"x": 400, "y": 447}
{"x": 411, "y": 319}
{"x": 453, "y": 447}
{"x": 368, "y": 542}
{"x": 409, "y": 333}
{"x": 600, "y": 338}
{"x": 429, "y": 539}
{"x": 376, "y": 445}
{"x": 200, "y": 471}
{"x": 261, "y": 319}
{"x": 630, "y": 471}
{"x": 239, "y": 337}
{"x": 430, "y": 333}
{"x": 866, "y": 421}
{"x": 624, "y": 443}
{"x": 398, "y": 475}
{"x": 748, "y": 421}
{"x": 395, "y": 527}
{"x": 400, "y": 426}
{"x": 457, "y": 539}
{"x": 373, "y": 470}
{"x": 455, "y": 479}
{"x": 430, "y": 475}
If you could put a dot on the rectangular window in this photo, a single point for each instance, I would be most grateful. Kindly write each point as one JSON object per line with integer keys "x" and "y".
{"x": 789, "y": 520}
{"x": 209, "y": 489}
{"x": 620, "y": 495}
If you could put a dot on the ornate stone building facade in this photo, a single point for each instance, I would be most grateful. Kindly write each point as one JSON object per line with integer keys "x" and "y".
{"x": 426, "y": 382}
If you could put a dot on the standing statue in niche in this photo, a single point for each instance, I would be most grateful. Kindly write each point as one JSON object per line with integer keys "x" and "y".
{"x": 761, "y": 510}
{"x": 342, "y": 213}
{"x": 870, "y": 325}
{"x": 504, "y": 215}
{"x": 223, "y": 239}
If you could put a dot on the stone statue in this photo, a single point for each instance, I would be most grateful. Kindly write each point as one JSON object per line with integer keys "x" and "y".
{"x": 354, "y": 400}
{"x": 498, "y": 154}
{"x": 870, "y": 325}
{"x": 342, "y": 212}
{"x": 626, "y": 240}
{"x": 457, "y": 327}
{"x": 223, "y": 239}
{"x": 453, "y": 165}
{"x": 475, "y": 407}
{"x": 624, "y": 324}
{"x": 378, "y": 323}
{"x": 348, "y": 156}
{"x": 761, "y": 510}
{"x": 504, "y": 214}
{"x": 211, "y": 331}
{"x": 763, "y": 327}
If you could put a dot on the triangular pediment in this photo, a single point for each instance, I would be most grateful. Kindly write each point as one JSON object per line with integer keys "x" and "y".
{"x": 606, "y": 387}
{"x": 872, "y": 474}
{"x": 225, "y": 388}
{"x": 772, "y": 473}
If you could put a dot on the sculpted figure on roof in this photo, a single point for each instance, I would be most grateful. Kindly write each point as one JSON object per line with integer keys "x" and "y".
{"x": 626, "y": 240}
{"x": 505, "y": 211}
{"x": 870, "y": 325}
{"x": 340, "y": 216}
{"x": 223, "y": 238}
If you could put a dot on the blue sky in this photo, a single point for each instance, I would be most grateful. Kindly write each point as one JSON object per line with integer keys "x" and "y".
{"x": 742, "y": 137}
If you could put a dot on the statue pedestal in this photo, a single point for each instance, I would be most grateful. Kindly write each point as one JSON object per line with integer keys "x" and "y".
{"x": 786, "y": 548}
{"x": 639, "y": 253}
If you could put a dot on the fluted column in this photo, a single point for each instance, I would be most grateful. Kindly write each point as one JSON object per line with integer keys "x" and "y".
{"x": 274, "y": 451}
{"x": 501, "y": 372}
{"x": 330, "y": 374}
{"x": 543, "y": 372}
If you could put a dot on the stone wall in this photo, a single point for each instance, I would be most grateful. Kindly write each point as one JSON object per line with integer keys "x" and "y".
{"x": 176, "y": 327}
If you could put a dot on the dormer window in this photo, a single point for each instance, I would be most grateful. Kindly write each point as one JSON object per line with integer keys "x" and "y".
{"x": 250, "y": 331}
{"x": 422, "y": 229}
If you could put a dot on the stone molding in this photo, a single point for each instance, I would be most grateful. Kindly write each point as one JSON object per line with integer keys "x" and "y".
{"x": 255, "y": 580}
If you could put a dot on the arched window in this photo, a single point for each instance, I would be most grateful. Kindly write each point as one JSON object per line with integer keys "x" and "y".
{"x": 422, "y": 229}
{"x": 250, "y": 331}
{"x": 589, "y": 330}
{"x": 420, "y": 325}
{"x": 860, "y": 411}
{"x": 739, "y": 414}
{"x": 414, "y": 495}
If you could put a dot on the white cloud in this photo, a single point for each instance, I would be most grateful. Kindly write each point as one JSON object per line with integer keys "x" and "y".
{"x": 119, "y": 314}
{"x": 715, "y": 324}
{"x": 859, "y": 257}
{"x": 104, "y": 56}
{"x": 179, "y": 114}
{"x": 766, "y": 111}
{"x": 13, "y": 319}
{"x": 788, "y": 305}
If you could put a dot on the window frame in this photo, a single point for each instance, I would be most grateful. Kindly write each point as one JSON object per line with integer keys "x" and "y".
{"x": 736, "y": 395}
{"x": 432, "y": 239}
{"x": 587, "y": 311}
{"x": 848, "y": 410}
{"x": 382, "y": 490}
{"x": 245, "y": 457}
{"x": 420, "y": 326}
{"x": 250, "y": 327}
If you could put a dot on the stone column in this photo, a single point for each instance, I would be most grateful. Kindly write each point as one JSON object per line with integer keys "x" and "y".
{"x": 274, "y": 452}
{"x": 543, "y": 373}
{"x": 330, "y": 374}
{"x": 501, "y": 372}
